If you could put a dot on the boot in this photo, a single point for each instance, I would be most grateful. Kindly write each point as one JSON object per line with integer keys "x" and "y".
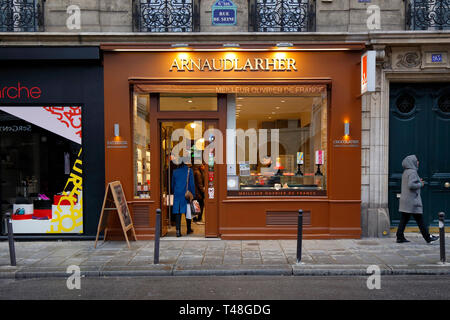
{"x": 188, "y": 225}
{"x": 178, "y": 224}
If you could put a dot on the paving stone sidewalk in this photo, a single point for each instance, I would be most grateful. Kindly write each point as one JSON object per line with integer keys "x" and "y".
{"x": 184, "y": 256}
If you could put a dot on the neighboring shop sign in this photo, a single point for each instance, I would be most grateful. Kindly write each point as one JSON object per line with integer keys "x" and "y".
{"x": 368, "y": 69}
{"x": 224, "y": 13}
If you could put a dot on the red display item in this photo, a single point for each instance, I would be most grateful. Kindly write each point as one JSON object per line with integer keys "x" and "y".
{"x": 42, "y": 213}
{"x": 21, "y": 216}
{"x": 65, "y": 202}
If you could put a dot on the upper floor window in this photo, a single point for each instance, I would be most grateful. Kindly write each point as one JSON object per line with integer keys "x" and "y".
{"x": 21, "y": 15}
{"x": 165, "y": 15}
{"x": 428, "y": 14}
{"x": 282, "y": 15}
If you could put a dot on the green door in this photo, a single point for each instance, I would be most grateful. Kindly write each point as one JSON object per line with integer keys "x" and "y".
{"x": 419, "y": 123}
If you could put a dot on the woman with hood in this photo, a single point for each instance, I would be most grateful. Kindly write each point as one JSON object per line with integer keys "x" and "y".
{"x": 410, "y": 200}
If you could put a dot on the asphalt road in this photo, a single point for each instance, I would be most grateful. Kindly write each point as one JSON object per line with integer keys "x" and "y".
{"x": 229, "y": 288}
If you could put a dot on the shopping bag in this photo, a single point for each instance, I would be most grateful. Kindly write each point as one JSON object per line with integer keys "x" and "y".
{"x": 188, "y": 211}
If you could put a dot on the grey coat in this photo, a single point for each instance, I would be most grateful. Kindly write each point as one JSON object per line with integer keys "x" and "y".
{"x": 410, "y": 200}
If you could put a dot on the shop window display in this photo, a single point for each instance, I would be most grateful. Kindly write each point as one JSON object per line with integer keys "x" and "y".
{"x": 141, "y": 146}
{"x": 279, "y": 147}
{"x": 41, "y": 168}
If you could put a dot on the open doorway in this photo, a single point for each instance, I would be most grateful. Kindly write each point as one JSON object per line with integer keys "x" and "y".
{"x": 176, "y": 136}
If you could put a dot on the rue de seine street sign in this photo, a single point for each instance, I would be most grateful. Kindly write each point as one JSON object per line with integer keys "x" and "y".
{"x": 224, "y": 13}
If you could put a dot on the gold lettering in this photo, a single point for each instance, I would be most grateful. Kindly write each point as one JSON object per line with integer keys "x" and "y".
{"x": 281, "y": 64}
{"x": 174, "y": 65}
{"x": 236, "y": 64}
{"x": 248, "y": 64}
{"x": 214, "y": 65}
{"x": 185, "y": 64}
{"x": 225, "y": 64}
{"x": 206, "y": 65}
{"x": 291, "y": 62}
{"x": 196, "y": 65}
{"x": 268, "y": 64}
{"x": 259, "y": 64}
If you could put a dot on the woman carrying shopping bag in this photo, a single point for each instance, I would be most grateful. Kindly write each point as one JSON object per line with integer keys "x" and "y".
{"x": 182, "y": 182}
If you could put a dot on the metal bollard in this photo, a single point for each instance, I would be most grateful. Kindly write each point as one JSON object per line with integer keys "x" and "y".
{"x": 157, "y": 236}
{"x": 299, "y": 235}
{"x": 442, "y": 235}
{"x": 12, "y": 250}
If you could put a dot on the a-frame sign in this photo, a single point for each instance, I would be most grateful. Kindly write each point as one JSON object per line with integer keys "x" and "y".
{"x": 115, "y": 201}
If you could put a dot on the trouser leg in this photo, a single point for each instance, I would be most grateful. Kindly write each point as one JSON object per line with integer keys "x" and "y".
{"x": 423, "y": 229}
{"x": 202, "y": 205}
{"x": 404, "y": 218}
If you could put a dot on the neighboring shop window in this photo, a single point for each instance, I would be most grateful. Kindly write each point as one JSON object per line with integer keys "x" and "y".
{"x": 187, "y": 102}
{"x": 279, "y": 147}
{"x": 141, "y": 146}
{"x": 41, "y": 168}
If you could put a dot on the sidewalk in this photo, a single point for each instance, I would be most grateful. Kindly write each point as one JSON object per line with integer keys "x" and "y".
{"x": 182, "y": 257}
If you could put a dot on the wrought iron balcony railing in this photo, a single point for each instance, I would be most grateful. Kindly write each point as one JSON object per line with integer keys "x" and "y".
{"x": 427, "y": 15}
{"x": 166, "y": 15}
{"x": 282, "y": 15}
{"x": 21, "y": 15}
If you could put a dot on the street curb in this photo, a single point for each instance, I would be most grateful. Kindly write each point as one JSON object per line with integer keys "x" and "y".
{"x": 294, "y": 270}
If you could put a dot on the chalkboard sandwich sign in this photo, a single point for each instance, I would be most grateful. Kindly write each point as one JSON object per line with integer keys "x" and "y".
{"x": 115, "y": 201}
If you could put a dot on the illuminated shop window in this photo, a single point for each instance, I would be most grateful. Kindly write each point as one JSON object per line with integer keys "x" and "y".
{"x": 41, "y": 168}
{"x": 141, "y": 112}
{"x": 279, "y": 147}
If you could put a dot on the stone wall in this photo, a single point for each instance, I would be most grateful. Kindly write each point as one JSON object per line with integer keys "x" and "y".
{"x": 351, "y": 15}
{"x": 116, "y": 16}
{"x": 96, "y": 15}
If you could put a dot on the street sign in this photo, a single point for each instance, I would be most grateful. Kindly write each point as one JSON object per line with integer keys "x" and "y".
{"x": 224, "y": 13}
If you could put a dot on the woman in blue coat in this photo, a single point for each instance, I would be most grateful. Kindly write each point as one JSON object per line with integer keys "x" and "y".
{"x": 179, "y": 182}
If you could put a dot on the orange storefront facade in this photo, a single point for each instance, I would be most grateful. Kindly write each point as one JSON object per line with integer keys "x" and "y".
{"x": 305, "y": 97}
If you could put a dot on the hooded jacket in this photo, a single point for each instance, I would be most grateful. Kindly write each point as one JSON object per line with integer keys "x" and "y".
{"x": 410, "y": 200}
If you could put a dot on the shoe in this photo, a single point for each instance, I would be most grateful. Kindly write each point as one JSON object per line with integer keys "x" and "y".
{"x": 189, "y": 231}
{"x": 402, "y": 240}
{"x": 178, "y": 234}
{"x": 432, "y": 239}
{"x": 200, "y": 223}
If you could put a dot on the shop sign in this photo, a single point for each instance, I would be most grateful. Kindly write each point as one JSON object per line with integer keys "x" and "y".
{"x": 368, "y": 70}
{"x": 268, "y": 193}
{"x": 117, "y": 144}
{"x": 233, "y": 64}
{"x": 224, "y": 13}
{"x": 346, "y": 143}
{"x": 19, "y": 91}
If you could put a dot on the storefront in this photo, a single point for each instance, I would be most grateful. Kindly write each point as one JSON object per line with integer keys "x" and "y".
{"x": 51, "y": 124}
{"x": 271, "y": 131}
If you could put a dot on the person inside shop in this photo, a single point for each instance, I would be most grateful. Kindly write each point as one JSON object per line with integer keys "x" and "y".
{"x": 411, "y": 201}
{"x": 268, "y": 170}
{"x": 200, "y": 178}
{"x": 183, "y": 187}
